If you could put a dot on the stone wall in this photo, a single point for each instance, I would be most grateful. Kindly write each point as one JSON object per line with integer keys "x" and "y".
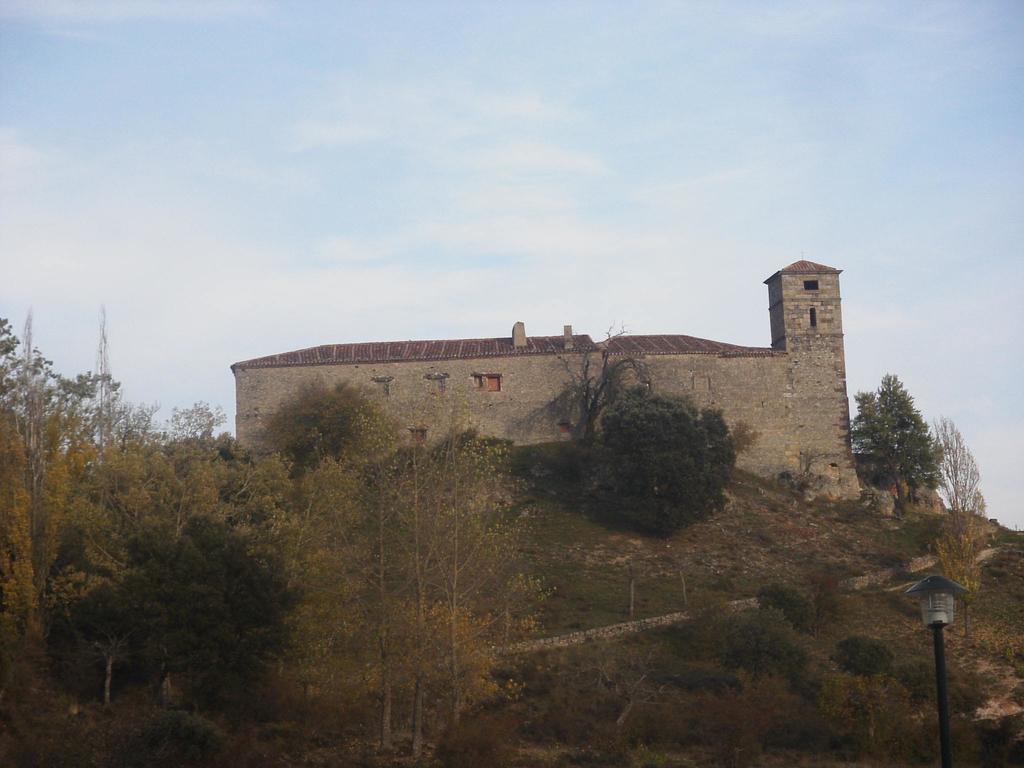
{"x": 793, "y": 395}
{"x": 793, "y": 403}
{"x": 426, "y": 394}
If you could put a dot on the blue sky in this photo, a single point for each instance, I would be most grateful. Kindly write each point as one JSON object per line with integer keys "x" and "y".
{"x": 233, "y": 179}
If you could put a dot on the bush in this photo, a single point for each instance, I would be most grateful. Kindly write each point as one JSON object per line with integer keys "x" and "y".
{"x": 790, "y": 602}
{"x": 320, "y": 423}
{"x": 172, "y": 738}
{"x": 482, "y": 740}
{"x": 762, "y": 643}
{"x": 918, "y": 677}
{"x": 666, "y": 463}
{"x": 863, "y": 656}
{"x": 706, "y": 679}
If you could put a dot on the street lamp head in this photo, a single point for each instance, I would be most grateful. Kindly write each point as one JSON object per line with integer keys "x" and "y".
{"x": 938, "y": 599}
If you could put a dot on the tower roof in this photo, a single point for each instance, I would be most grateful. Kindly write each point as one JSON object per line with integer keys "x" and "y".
{"x": 804, "y": 267}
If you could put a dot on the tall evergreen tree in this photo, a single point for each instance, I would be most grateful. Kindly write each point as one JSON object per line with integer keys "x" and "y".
{"x": 893, "y": 437}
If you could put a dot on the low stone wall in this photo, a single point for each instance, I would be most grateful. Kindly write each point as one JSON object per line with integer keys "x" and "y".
{"x": 611, "y": 631}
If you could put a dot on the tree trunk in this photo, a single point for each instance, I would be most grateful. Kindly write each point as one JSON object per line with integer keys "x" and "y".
{"x": 456, "y": 682}
{"x": 417, "y": 717}
{"x": 386, "y": 711}
{"x": 901, "y": 498}
{"x": 621, "y": 720}
{"x": 164, "y": 694}
{"x": 632, "y": 592}
{"x": 106, "y": 681}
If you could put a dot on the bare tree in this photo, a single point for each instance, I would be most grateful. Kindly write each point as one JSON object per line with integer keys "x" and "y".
{"x": 631, "y": 679}
{"x": 959, "y": 479}
{"x": 105, "y": 388}
{"x": 595, "y": 379}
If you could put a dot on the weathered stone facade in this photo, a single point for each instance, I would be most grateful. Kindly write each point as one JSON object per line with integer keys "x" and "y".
{"x": 793, "y": 394}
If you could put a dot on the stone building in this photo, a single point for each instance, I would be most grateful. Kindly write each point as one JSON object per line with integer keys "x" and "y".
{"x": 791, "y": 394}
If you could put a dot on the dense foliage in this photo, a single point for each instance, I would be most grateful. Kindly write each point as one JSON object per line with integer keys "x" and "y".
{"x": 167, "y": 598}
{"x": 169, "y": 564}
{"x": 666, "y": 462}
{"x": 892, "y": 436}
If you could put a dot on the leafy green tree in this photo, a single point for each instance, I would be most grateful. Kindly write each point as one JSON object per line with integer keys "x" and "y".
{"x": 791, "y": 602}
{"x": 206, "y": 607}
{"x": 666, "y": 462}
{"x": 863, "y": 656}
{"x": 762, "y": 643}
{"x": 893, "y": 437}
{"x": 321, "y": 423}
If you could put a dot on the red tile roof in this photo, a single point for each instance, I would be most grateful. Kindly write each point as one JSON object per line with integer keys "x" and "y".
{"x": 804, "y": 267}
{"x": 462, "y": 349}
{"x": 674, "y": 344}
{"x": 403, "y": 351}
{"x": 809, "y": 266}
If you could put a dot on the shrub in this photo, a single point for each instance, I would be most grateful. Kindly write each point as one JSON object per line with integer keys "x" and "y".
{"x": 706, "y": 679}
{"x": 790, "y": 602}
{"x": 873, "y": 715}
{"x": 918, "y": 677}
{"x": 320, "y": 423}
{"x": 666, "y": 463}
{"x": 863, "y": 656}
{"x": 172, "y": 738}
{"x": 825, "y": 601}
{"x": 482, "y": 740}
{"x": 762, "y": 643}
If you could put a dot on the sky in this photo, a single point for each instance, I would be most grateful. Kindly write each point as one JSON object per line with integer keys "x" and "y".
{"x": 234, "y": 179}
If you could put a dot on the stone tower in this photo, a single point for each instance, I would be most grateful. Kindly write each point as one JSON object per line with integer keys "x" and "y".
{"x": 807, "y": 325}
{"x": 804, "y": 305}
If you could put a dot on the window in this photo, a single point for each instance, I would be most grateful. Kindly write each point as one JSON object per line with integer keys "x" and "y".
{"x": 814, "y": 318}
{"x": 441, "y": 379}
{"x": 385, "y": 383}
{"x": 565, "y": 427}
{"x": 810, "y": 285}
{"x": 490, "y": 382}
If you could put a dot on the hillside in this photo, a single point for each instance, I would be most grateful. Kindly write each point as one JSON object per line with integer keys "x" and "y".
{"x": 833, "y": 669}
{"x": 767, "y": 534}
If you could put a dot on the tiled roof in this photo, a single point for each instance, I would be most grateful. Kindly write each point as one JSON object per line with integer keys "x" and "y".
{"x": 463, "y": 349}
{"x": 809, "y": 266}
{"x": 400, "y": 351}
{"x": 674, "y": 344}
{"x": 804, "y": 267}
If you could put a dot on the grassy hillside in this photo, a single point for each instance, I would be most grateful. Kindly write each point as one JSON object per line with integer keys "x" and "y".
{"x": 720, "y": 687}
{"x": 767, "y": 533}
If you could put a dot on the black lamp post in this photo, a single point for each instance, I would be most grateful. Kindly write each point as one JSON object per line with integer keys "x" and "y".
{"x": 938, "y": 604}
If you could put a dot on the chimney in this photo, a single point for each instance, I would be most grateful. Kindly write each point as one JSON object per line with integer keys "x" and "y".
{"x": 519, "y": 335}
{"x": 569, "y": 344}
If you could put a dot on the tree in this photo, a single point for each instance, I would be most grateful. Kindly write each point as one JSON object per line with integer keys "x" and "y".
{"x": 958, "y": 549}
{"x": 864, "y": 656}
{"x": 106, "y": 625}
{"x": 963, "y": 537}
{"x": 959, "y": 479}
{"x": 320, "y": 423}
{"x": 196, "y": 423}
{"x": 204, "y": 605}
{"x": 667, "y": 463}
{"x": 893, "y": 437}
{"x": 595, "y": 381}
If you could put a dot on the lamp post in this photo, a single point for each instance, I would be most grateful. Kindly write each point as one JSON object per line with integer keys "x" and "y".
{"x": 938, "y": 603}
